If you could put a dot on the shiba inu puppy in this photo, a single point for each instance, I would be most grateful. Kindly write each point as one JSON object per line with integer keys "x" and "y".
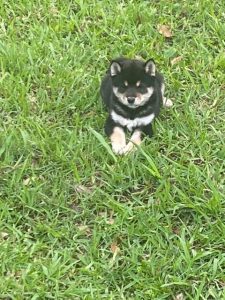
{"x": 133, "y": 92}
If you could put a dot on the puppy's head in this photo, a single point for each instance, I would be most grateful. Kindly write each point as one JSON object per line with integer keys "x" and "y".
{"x": 133, "y": 81}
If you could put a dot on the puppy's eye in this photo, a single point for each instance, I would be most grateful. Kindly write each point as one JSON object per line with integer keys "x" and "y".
{"x": 139, "y": 84}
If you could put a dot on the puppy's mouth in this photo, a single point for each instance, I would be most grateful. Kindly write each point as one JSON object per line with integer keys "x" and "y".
{"x": 132, "y": 105}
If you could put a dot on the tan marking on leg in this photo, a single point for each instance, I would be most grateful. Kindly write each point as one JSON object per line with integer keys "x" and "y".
{"x": 135, "y": 140}
{"x": 167, "y": 102}
{"x": 118, "y": 140}
{"x": 163, "y": 89}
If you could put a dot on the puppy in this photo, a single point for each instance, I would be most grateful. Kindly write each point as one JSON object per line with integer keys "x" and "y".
{"x": 133, "y": 92}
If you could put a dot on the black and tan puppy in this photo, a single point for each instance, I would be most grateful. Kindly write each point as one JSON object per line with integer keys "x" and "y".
{"x": 132, "y": 91}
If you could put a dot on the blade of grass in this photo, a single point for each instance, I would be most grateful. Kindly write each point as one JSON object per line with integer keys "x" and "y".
{"x": 102, "y": 141}
{"x": 152, "y": 167}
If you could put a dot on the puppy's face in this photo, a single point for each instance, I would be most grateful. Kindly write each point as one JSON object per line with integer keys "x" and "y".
{"x": 133, "y": 81}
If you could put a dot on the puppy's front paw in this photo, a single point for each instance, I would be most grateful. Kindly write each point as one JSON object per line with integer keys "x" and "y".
{"x": 123, "y": 150}
{"x": 134, "y": 141}
{"x": 118, "y": 148}
{"x": 167, "y": 102}
{"x": 118, "y": 140}
{"x": 128, "y": 148}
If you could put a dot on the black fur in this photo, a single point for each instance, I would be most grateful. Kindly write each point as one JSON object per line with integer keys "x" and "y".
{"x": 131, "y": 71}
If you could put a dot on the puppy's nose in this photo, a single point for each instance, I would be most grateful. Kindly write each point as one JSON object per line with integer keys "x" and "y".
{"x": 130, "y": 100}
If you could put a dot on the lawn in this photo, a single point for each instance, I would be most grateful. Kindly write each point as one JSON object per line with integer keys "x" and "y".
{"x": 77, "y": 222}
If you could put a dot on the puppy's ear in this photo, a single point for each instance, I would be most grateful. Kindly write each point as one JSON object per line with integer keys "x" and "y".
{"x": 150, "y": 67}
{"x": 115, "y": 68}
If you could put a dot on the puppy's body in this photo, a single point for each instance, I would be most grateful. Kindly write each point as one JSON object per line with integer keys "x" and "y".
{"x": 132, "y": 92}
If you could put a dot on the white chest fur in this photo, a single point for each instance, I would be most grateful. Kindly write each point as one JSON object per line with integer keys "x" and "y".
{"x": 130, "y": 124}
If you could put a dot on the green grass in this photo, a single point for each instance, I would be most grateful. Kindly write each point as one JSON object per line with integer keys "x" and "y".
{"x": 76, "y": 222}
